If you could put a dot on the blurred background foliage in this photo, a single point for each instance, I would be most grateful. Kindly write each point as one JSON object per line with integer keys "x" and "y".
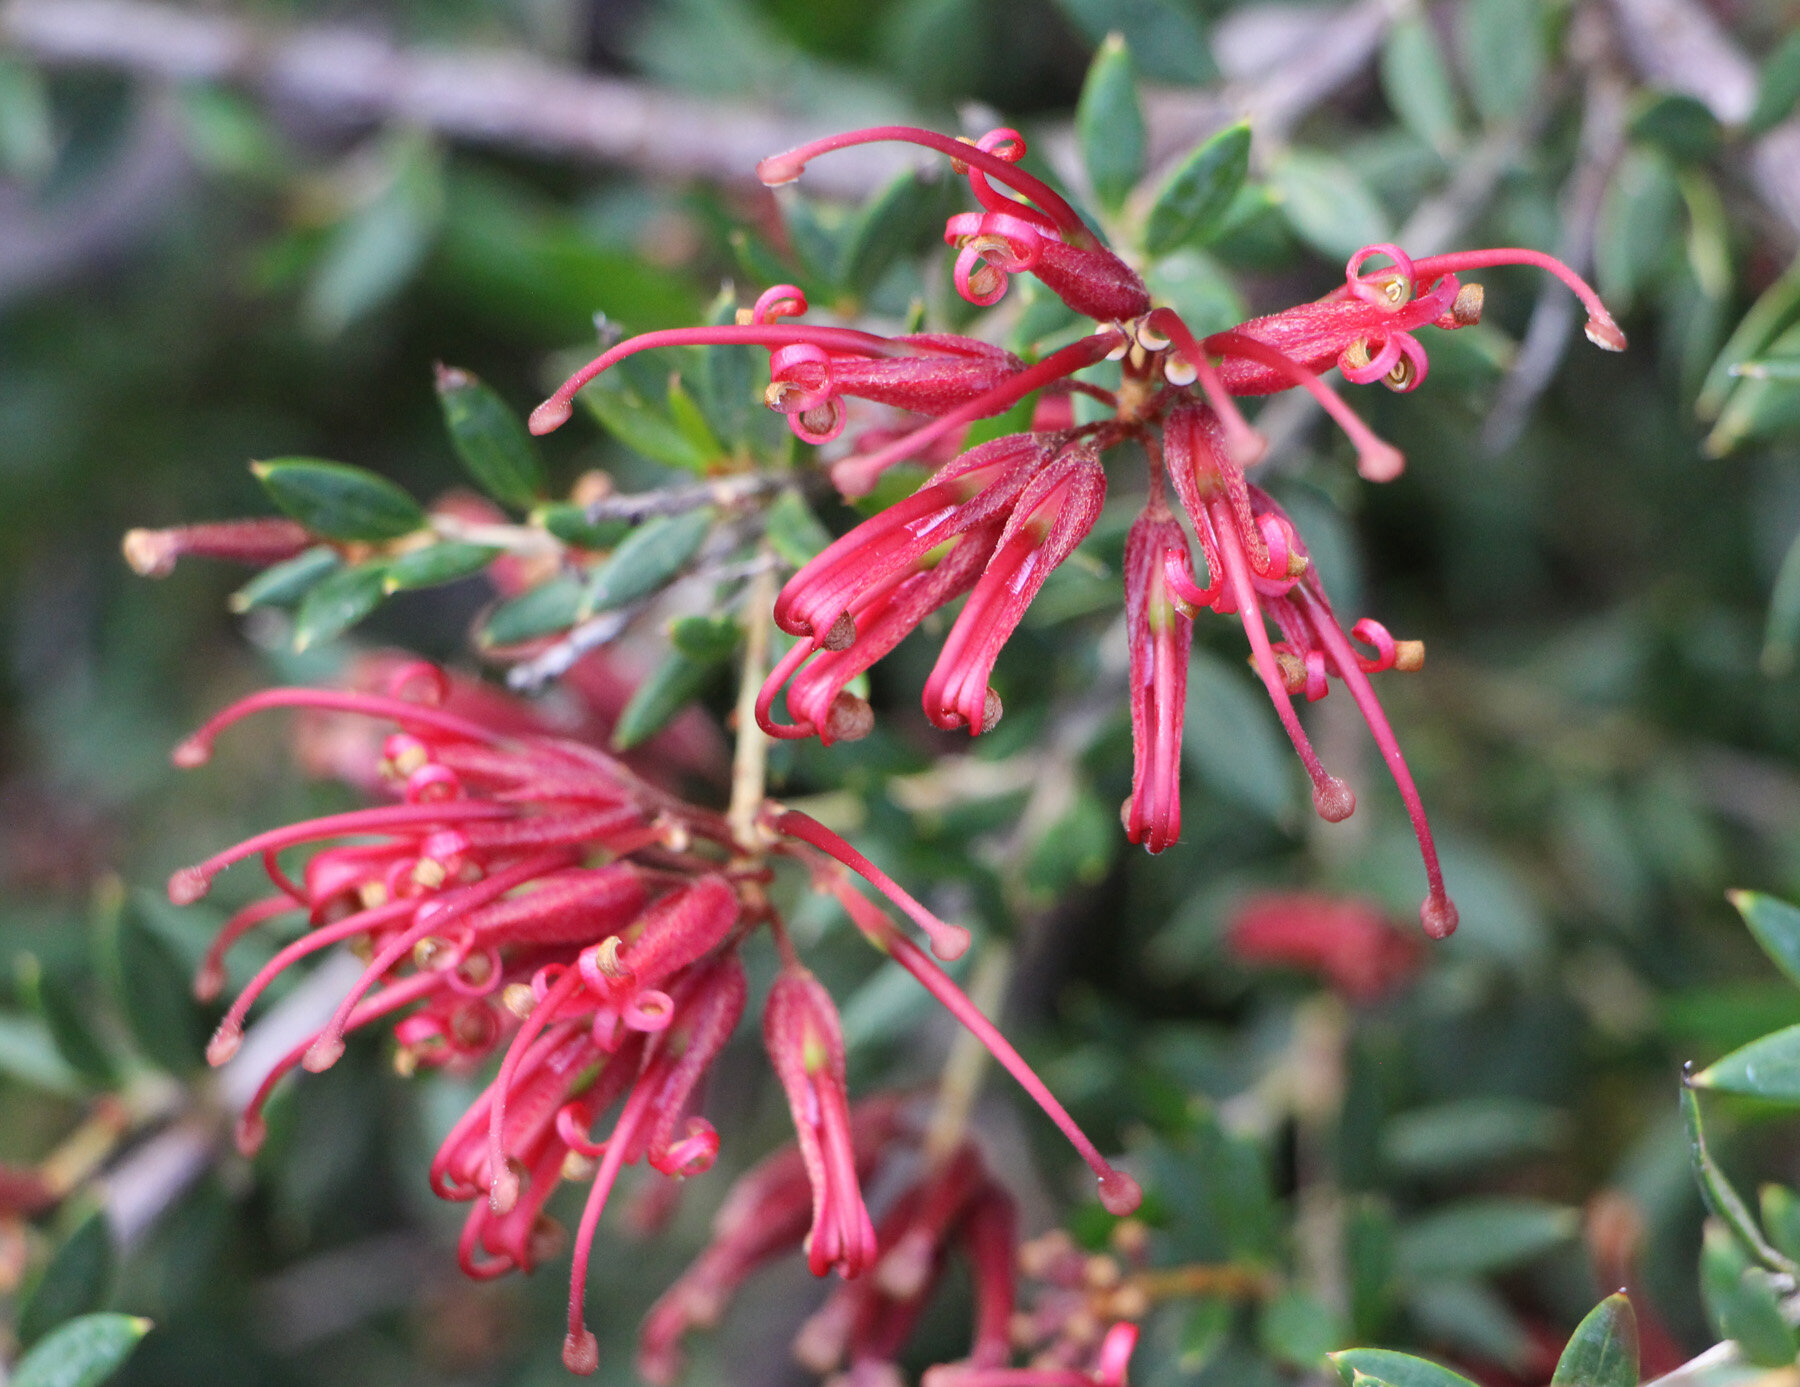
{"x": 248, "y": 230}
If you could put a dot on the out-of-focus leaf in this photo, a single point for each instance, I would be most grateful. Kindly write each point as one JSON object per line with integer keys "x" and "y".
{"x": 1637, "y": 229}
{"x": 1779, "y": 88}
{"x": 1467, "y": 1316}
{"x": 1109, "y": 123}
{"x": 687, "y": 416}
{"x": 642, "y": 426}
{"x": 1394, "y": 1369}
{"x": 1016, "y": 419}
{"x": 1761, "y": 406}
{"x": 1165, "y": 38}
{"x": 1776, "y": 925}
{"x": 707, "y": 638}
{"x": 1193, "y": 201}
{"x": 1678, "y": 124}
{"x": 889, "y": 224}
{"x": 74, "y": 1283}
{"x": 647, "y": 560}
{"x": 338, "y": 603}
{"x": 1502, "y": 50}
{"x": 28, "y": 1053}
{"x": 286, "y": 583}
{"x": 1470, "y": 1132}
{"x": 490, "y": 439}
{"x": 1603, "y": 1350}
{"x": 374, "y": 252}
{"x": 1328, "y": 205}
{"x": 27, "y": 142}
{"x": 1483, "y": 1235}
{"x": 443, "y": 562}
{"x": 1780, "y": 1209}
{"x": 1771, "y": 315}
{"x": 1742, "y": 1303}
{"x": 569, "y": 523}
{"x": 1371, "y": 1265}
{"x": 82, "y": 1353}
{"x": 1191, "y": 282}
{"x": 1415, "y": 79}
{"x": 1299, "y": 1330}
{"x": 1204, "y": 1333}
{"x": 62, "y": 1014}
{"x": 1721, "y": 1199}
{"x": 676, "y": 681}
{"x": 546, "y": 609}
{"x": 150, "y": 987}
{"x": 337, "y": 500}
{"x": 1231, "y": 740}
{"x": 794, "y": 532}
{"x": 1076, "y": 850}
{"x": 1781, "y": 637}
{"x": 228, "y": 134}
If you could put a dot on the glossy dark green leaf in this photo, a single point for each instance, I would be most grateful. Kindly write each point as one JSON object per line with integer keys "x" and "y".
{"x": 1503, "y": 55}
{"x": 151, "y": 987}
{"x": 1109, "y": 123}
{"x": 1394, "y": 1369}
{"x": 1678, "y": 124}
{"x": 1328, "y": 205}
{"x": 443, "y": 562}
{"x": 339, "y": 501}
{"x": 1741, "y": 1301}
{"x": 645, "y": 428}
{"x": 1781, "y": 636}
{"x": 1415, "y": 79}
{"x": 1776, "y": 926}
{"x": 794, "y": 532}
{"x": 569, "y": 523}
{"x": 491, "y": 439}
{"x": 1780, "y": 1210}
{"x": 1779, "y": 88}
{"x": 545, "y": 610}
{"x": 647, "y": 560}
{"x": 338, "y": 603}
{"x": 706, "y": 638}
{"x": 376, "y": 250}
{"x": 1193, "y": 201}
{"x": 1603, "y": 1350}
{"x": 1483, "y": 1235}
{"x": 84, "y": 1352}
{"x": 676, "y": 681}
{"x": 286, "y": 583}
{"x": 1164, "y": 35}
{"x": 1721, "y": 1199}
{"x": 75, "y": 1281}
{"x": 1768, "y": 1068}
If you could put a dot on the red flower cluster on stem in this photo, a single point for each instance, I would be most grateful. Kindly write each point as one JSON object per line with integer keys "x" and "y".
{"x": 991, "y": 523}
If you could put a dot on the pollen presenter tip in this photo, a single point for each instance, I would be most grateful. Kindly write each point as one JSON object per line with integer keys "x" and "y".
{"x": 188, "y": 885}
{"x": 551, "y": 415}
{"x": 1334, "y": 800}
{"x": 1605, "y": 334}
{"x": 581, "y": 1352}
{"x": 1119, "y": 1193}
{"x": 1439, "y": 916}
{"x": 224, "y": 1043}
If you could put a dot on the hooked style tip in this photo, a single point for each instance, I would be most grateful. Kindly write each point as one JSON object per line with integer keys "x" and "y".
{"x": 195, "y": 751}
{"x": 1439, "y": 916}
{"x": 780, "y": 168}
{"x": 581, "y": 1352}
{"x": 551, "y": 415}
{"x": 188, "y": 885}
{"x": 1119, "y": 1193}
{"x": 224, "y": 1043}
{"x": 324, "y": 1052}
{"x": 1380, "y": 462}
{"x": 1334, "y": 800}
{"x": 1605, "y": 334}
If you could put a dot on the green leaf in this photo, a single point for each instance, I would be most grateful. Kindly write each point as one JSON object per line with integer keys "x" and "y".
{"x": 1759, "y": 406}
{"x": 285, "y": 583}
{"x": 1165, "y": 36}
{"x": 227, "y": 133}
{"x": 1076, "y": 850}
{"x": 1603, "y": 1350}
{"x": 646, "y": 561}
{"x": 886, "y": 227}
{"x": 1297, "y": 1329}
{"x": 1370, "y": 1264}
{"x": 545, "y": 610}
{"x": 706, "y": 638}
{"x": 1109, "y": 124}
{"x": 28, "y": 1053}
{"x": 1776, "y": 926}
{"x": 1678, "y": 124}
{"x": 339, "y": 501}
{"x": 1781, "y": 637}
{"x": 1780, "y": 1209}
{"x": 75, "y": 1282}
{"x": 1469, "y": 1317}
{"x": 63, "y": 1018}
{"x": 490, "y": 439}
{"x": 1193, "y": 201}
{"x": 1328, "y": 205}
{"x": 794, "y": 532}
{"x": 1394, "y": 1369}
{"x": 376, "y": 250}
{"x": 1503, "y": 55}
{"x": 1638, "y": 229}
{"x": 1741, "y": 1302}
{"x": 27, "y": 140}
{"x": 642, "y": 427}
{"x": 675, "y": 682}
{"x": 1771, "y": 315}
{"x": 1415, "y": 79}
{"x": 338, "y": 603}
{"x": 1191, "y": 282}
{"x": 1233, "y": 741}
{"x": 569, "y": 523}
{"x": 1721, "y": 1199}
{"x": 688, "y": 418}
{"x": 1483, "y": 1235}
{"x": 1452, "y": 1137}
{"x": 1779, "y": 88}
{"x": 1768, "y": 1068}
{"x": 82, "y": 1353}
{"x": 443, "y": 562}
{"x": 151, "y": 988}
{"x": 1204, "y": 1333}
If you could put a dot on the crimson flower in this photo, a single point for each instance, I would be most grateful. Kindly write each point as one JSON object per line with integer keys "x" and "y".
{"x": 993, "y": 521}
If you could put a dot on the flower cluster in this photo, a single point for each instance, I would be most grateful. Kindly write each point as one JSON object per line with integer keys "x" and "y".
{"x": 526, "y": 896}
{"x": 993, "y": 521}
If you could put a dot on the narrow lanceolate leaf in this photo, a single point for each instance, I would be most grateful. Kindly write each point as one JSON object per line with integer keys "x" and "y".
{"x": 286, "y": 583}
{"x": 1415, "y": 79}
{"x": 691, "y": 420}
{"x": 338, "y": 603}
{"x": 1716, "y": 1191}
{"x": 1768, "y": 318}
{"x": 490, "y": 439}
{"x": 671, "y": 686}
{"x": 437, "y": 563}
{"x": 1780, "y": 1209}
{"x": 1191, "y": 207}
{"x": 1603, "y": 1350}
{"x": 377, "y": 249}
{"x": 1776, "y": 925}
{"x": 1767, "y": 1068}
{"x": 1742, "y": 1302}
{"x": 794, "y": 532}
{"x": 1483, "y": 1235}
{"x": 1328, "y": 205}
{"x": 647, "y": 561}
{"x": 886, "y": 227}
{"x": 75, "y": 1282}
{"x": 338, "y": 501}
{"x": 624, "y": 413}
{"x": 1109, "y": 123}
{"x": 82, "y": 1353}
{"x": 569, "y": 523}
{"x": 546, "y": 609}
{"x": 1393, "y": 1369}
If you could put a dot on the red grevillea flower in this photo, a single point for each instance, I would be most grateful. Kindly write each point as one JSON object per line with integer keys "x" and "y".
{"x": 526, "y": 896}
{"x": 993, "y": 522}
{"x": 1350, "y": 944}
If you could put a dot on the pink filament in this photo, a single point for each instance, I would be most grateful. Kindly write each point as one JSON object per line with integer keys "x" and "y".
{"x": 198, "y": 747}
{"x": 1599, "y": 318}
{"x": 949, "y": 942}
